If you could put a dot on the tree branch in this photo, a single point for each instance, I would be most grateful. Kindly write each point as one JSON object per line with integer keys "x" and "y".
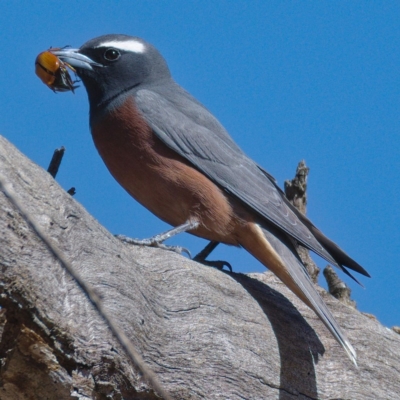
{"x": 205, "y": 333}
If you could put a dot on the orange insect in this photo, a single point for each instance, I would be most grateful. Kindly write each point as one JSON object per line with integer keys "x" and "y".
{"x": 53, "y": 72}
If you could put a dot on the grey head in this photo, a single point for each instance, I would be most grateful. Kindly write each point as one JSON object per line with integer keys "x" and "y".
{"x": 113, "y": 65}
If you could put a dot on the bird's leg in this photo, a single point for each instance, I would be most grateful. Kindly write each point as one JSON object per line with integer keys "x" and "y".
{"x": 157, "y": 240}
{"x": 201, "y": 257}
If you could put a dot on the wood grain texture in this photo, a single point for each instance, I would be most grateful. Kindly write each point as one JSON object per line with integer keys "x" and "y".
{"x": 206, "y": 334}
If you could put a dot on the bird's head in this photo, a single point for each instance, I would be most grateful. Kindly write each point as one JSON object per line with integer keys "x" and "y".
{"x": 112, "y": 65}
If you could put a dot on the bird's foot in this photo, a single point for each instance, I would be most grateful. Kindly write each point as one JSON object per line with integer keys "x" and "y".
{"x": 157, "y": 240}
{"x": 216, "y": 264}
{"x": 153, "y": 242}
{"x": 201, "y": 258}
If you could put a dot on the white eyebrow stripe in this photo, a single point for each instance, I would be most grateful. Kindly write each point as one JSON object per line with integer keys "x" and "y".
{"x": 127, "y": 45}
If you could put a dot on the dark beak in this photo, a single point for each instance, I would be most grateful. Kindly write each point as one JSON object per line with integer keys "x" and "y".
{"x": 75, "y": 59}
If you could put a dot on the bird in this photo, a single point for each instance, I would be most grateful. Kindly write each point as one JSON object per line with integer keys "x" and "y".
{"x": 174, "y": 157}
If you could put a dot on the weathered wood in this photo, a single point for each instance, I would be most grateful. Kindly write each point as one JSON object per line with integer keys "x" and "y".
{"x": 296, "y": 193}
{"x": 205, "y": 333}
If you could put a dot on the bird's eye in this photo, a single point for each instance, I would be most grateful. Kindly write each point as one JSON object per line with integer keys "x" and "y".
{"x": 112, "y": 54}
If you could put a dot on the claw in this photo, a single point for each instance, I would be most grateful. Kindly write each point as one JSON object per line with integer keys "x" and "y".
{"x": 176, "y": 249}
{"x": 216, "y": 264}
{"x": 201, "y": 258}
{"x": 153, "y": 242}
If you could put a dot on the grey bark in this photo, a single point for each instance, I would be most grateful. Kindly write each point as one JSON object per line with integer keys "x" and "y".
{"x": 207, "y": 334}
{"x": 296, "y": 192}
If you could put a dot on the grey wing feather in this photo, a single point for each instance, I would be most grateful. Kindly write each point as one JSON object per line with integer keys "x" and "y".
{"x": 194, "y": 133}
{"x": 340, "y": 256}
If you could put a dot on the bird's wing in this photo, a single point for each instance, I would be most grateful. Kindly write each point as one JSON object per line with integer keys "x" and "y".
{"x": 340, "y": 256}
{"x": 188, "y": 128}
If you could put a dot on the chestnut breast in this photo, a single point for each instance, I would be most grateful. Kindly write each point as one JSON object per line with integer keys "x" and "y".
{"x": 159, "y": 178}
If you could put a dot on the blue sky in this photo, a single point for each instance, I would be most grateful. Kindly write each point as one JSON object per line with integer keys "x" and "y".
{"x": 289, "y": 80}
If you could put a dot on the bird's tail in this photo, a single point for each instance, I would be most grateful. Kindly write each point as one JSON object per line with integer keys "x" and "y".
{"x": 275, "y": 250}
